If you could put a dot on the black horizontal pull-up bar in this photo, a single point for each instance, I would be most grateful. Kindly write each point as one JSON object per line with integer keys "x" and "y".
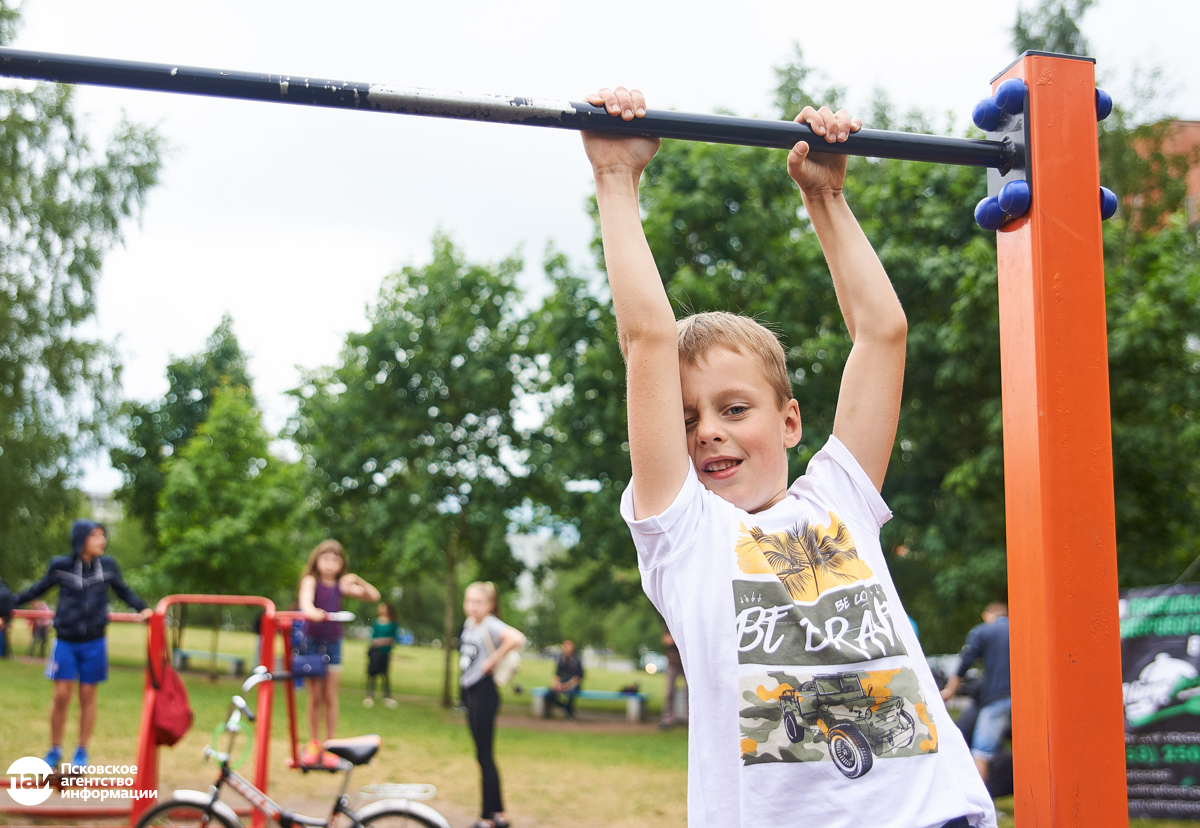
{"x": 296, "y": 89}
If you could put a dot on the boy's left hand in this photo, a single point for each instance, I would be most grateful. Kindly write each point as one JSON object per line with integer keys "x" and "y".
{"x": 822, "y": 173}
{"x": 146, "y": 613}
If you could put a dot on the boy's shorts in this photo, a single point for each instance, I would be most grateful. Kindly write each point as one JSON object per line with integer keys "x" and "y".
{"x": 332, "y": 649}
{"x": 82, "y": 661}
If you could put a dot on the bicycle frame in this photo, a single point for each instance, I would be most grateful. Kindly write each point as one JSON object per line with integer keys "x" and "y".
{"x": 262, "y": 803}
{"x": 257, "y": 797}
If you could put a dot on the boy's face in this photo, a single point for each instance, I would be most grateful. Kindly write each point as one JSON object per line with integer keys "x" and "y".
{"x": 737, "y": 432}
{"x": 95, "y": 544}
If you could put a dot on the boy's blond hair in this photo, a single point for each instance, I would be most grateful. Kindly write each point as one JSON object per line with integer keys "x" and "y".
{"x": 702, "y": 332}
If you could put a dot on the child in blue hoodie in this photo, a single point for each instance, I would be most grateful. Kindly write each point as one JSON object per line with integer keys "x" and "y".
{"x": 80, "y": 652}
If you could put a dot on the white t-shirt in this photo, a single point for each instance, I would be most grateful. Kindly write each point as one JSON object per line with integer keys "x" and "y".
{"x": 473, "y": 649}
{"x": 810, "y": 702}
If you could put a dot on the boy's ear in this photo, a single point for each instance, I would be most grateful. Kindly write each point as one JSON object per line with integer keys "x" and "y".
{"x": 791, "y": 424}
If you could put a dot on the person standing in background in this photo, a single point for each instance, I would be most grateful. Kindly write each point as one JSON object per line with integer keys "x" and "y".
{"x": 987, "y": 641}
{"x": 485, "y": 640}
{"x": 674, "y": 673}
{"x": 80, "y": 652}
{"x": 39, "y": 631}
{"x": 322, "y": 586}
{"x": 379, "y": 655}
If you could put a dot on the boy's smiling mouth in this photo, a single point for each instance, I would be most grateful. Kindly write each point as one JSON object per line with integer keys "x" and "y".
{"x": 720, "y": 468}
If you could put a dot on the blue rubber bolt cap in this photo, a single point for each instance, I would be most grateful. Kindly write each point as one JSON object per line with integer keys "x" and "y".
{"x": 1014, "y": 198}
{"x": 1010, "y": 96}
{"x": 986, "y": 114}
{"x": 988, "y": 214}
{"x": 1108, "y": 203}
{"x": 1103, "y": 104}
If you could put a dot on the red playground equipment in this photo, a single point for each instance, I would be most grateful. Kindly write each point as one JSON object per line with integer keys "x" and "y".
{"x": 146, "y": 778}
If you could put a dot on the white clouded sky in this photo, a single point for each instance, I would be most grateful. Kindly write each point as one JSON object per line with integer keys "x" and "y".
{"x": 288, "y": 217}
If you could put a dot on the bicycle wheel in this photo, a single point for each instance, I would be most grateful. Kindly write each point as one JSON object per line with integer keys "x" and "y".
{"x": 175, "y": 813}
{"x": 399, "y": 816}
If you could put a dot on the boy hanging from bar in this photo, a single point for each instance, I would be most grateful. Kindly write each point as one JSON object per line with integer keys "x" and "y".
{"x": 811, "y": 702}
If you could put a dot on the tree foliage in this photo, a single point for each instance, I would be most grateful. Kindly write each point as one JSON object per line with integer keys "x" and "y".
{"x": 1052, "y": 26}
{"x": 230, "y": 514}
{"x": 411, "y": 437}
{"x": 579, "y": 458}
{"x": 728, "y": 231}
{"x": 62, "y": 207}
{"x": 155, "y": 431}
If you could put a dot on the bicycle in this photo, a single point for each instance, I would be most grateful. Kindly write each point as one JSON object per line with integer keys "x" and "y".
{"x": 197, "y": 808}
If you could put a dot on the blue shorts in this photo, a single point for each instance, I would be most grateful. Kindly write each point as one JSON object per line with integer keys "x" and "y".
{"x": 333, "y": 651}
{"x": 82, "y": 661}
{"x": 992, "y": 721}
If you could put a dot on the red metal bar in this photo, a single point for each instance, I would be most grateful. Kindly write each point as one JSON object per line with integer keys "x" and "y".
{"x": 147, "y": 779}
{"x": 1068, "y": 727}
{"x": 284, "y": 627}
{"x": 123, "y": 617}
{"x": 147, "y": 751}
{"x": 68, "y": 811}
{"x": 266, "y": 697}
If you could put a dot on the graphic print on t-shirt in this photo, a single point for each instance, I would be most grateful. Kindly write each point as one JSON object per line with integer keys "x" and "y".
{"x": 849, "y": 718}
{"x": 808, "y": 558}
{"x": 811, "y": 604}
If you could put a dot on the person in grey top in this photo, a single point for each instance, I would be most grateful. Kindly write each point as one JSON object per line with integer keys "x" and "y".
{"x": 484, "y": 641}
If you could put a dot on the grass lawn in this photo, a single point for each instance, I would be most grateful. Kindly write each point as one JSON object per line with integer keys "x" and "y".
{"x": 595, "y": 772}
{"x": 548, "y": 771}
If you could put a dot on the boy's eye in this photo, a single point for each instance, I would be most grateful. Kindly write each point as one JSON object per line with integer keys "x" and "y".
{"x": 736, "y": 410}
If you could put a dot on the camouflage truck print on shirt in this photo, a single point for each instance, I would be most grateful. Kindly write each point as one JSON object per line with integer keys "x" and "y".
{"x": 806, "y": 605}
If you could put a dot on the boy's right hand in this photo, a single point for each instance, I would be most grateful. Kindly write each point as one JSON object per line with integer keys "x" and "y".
{"x": 611, "y": 153}
{"x": 821, "y": 174}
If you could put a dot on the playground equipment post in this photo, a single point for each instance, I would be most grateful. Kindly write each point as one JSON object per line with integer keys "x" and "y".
{"x": 1068, "y": 725}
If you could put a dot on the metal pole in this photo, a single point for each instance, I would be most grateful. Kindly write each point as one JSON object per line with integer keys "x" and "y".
{"x": 1068, "y": 723}
{"x": 543, "y": 112}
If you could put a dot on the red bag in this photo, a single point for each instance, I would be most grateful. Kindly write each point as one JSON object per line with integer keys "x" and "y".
{"x": 173, "y": 715}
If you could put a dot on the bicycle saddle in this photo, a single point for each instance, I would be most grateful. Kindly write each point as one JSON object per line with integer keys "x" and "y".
{"x": 356, "y": 750}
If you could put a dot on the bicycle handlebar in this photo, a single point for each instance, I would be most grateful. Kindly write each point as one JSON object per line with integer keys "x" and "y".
{"x": 241, "y": 705}
{"x": 261, "y": 674}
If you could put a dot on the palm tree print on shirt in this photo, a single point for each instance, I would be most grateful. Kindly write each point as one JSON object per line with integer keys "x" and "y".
{"x": 808, "y": 558}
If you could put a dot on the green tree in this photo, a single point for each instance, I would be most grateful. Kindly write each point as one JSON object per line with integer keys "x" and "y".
{"x": 411, "y": 438}
{"x": 579, "y": 458}
{"x": 154, "y": 431}
{"x": 728, "y": 231}
{"x": 62, "y": 207}
{"x": 231, "y": 517}
{"x": 1052, "y": 26}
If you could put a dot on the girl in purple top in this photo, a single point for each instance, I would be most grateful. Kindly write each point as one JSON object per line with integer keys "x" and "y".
{"x": 322, "y": 585}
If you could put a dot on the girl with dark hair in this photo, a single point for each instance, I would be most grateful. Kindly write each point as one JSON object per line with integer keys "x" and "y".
{"x": 379, "y": 656}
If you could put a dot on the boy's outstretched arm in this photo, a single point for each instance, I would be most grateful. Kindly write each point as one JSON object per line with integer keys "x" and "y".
{"x": 869, "y": 400}
{"x": 645, "y": 321}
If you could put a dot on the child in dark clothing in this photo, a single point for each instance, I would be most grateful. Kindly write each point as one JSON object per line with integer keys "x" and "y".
{"x": 80, "y": 653}
{"x": 379, "y": 655}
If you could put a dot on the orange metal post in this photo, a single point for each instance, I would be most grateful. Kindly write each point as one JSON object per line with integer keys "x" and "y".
{"x": 1068, "y": 731}
{"x": 147, "y": 755}
{"x": 266, "y": 697}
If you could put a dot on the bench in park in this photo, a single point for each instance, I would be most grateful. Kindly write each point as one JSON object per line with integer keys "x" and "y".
{"x": 635, "y": 703}
{"x": 181, "y": 657}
